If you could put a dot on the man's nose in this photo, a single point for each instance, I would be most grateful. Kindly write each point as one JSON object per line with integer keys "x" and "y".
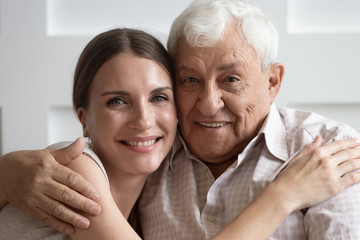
{"x": 210, "y": 100}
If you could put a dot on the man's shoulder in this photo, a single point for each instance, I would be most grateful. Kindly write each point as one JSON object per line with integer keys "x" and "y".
{"x": 302, "y": 122}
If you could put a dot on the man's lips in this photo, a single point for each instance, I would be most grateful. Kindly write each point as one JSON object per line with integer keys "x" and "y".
{"x": 212, "y": 124}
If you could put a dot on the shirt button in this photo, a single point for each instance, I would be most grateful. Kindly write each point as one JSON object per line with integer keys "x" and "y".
{"x": 211, "y": 218}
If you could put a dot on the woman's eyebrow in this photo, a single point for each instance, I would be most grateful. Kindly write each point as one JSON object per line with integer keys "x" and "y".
{"x": 160, "y": 89}
{"x": 115, "y": 93}
{"x": 124, "y": 93}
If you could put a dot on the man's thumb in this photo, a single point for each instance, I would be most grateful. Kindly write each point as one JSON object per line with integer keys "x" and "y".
{"x": 70, "y": 152}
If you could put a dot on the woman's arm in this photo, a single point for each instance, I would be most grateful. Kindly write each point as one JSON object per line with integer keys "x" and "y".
{"x": 110, "y": 224}
{"x": 313, "y": 176}
{"x": 285, "y": 193}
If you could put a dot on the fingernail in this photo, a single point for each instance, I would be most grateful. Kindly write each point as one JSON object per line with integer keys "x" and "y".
{"x": 83, "y": 224}
{"x": 94, "y": 196}
{"x": 95, "y": 210}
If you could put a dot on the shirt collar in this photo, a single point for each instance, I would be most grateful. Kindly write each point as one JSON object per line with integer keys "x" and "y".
{"x": 178, "y": 144}
{"x": 275, "y": 134}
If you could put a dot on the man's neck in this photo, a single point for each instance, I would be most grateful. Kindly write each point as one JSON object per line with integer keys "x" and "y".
{"x": 219, "y": 168}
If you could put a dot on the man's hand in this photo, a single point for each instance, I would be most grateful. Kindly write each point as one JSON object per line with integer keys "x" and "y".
{"x": 36, "y": 183}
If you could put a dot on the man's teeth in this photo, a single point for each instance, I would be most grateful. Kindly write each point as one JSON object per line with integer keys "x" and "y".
{"x": 213, "y": 125}
{"x": 142, "y": 144}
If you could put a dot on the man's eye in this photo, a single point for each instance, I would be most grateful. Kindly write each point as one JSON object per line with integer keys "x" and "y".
{"x": 190, "y": 80}
{"x": 231, "y": 79}
{"x": 189, "y": 84}
{"x": 115, "y": 101}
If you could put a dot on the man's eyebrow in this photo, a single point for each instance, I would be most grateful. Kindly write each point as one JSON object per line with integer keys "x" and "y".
{"x": 115, "y": 93}
{"x": 221, "y": 68}
{"x": 227, "y": 66}
{"x": 187, "y": 69}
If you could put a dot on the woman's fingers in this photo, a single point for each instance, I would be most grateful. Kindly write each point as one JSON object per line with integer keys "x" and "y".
{"x": 340, "y": 146}
{"x": 343, "y": 156}
{"x": 320, "y": 172}
{"x": 338, "y": 157}
{"x": 349, "y": 179}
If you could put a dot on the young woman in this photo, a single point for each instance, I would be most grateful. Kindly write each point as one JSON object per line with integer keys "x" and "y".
{"x": 123, "y": 96}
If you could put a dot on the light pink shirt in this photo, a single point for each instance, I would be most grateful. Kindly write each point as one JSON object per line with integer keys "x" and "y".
{"x": 183, "y": 201}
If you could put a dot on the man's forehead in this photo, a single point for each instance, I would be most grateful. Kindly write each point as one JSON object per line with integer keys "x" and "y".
{"x": 227, "y": 46}
{"x": 221, "y": 56}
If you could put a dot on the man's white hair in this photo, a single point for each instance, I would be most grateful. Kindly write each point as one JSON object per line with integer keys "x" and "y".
{"x": 203, "y": 22}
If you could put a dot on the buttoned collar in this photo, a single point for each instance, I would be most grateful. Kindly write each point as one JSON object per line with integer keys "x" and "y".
{"x": 275, "y": 134}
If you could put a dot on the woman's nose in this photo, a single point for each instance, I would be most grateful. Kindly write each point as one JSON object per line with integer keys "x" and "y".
{"x": 142, "y": 118}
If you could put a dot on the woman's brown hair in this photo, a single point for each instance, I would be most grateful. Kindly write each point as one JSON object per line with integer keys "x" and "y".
{"x": 107, "y": 45}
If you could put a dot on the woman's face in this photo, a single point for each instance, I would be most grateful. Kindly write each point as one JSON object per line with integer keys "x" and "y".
{"x": 131, "y": 117}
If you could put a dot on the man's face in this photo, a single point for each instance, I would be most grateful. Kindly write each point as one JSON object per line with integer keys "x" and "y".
{"x": 223, "y": 96}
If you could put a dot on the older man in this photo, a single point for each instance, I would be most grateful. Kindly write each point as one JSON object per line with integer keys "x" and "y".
{"x": 234, "y": 139}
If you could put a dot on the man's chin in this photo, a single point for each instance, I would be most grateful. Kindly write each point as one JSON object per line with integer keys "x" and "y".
{"x": 212, "y": 154}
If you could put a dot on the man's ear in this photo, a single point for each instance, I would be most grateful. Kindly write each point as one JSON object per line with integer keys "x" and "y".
{"x": 82, "y": 118}
{"x": 277, "y": 71}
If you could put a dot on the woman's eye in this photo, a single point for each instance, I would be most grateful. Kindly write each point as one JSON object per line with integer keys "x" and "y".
{"x": 159, "y": 98}
{"x": 115, "y": 101}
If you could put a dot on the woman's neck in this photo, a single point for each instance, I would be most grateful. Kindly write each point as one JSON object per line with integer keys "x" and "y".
{"x": 125, "y": 190}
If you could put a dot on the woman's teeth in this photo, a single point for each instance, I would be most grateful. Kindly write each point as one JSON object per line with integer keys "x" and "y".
{"x": 141, "y": 144}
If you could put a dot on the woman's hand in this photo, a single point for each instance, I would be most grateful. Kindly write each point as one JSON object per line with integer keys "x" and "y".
{"x": 36, "y": 183}
{"x": 320, "y": 172}
{"x": 316, "y": 174}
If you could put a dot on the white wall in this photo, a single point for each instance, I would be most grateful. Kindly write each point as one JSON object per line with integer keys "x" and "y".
{"x": 40, "y": 41}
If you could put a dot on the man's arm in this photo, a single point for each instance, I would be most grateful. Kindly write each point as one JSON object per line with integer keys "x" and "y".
{"x": 35, "y": 183}
{"x": 3, "y": 200}
{"x": 313, "y": 176}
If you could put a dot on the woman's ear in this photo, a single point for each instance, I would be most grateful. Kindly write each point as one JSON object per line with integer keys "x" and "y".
{"x": 82, "y": 118}
{"x": 277, "y": 71}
